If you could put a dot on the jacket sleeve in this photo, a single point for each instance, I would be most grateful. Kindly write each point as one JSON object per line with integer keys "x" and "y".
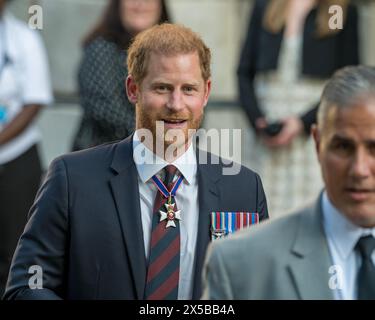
{"x": 43, "y": 243}
{"x": 101, "y": 81}
{"x": 246, "y": 69}
{"x": 261, "y": 200}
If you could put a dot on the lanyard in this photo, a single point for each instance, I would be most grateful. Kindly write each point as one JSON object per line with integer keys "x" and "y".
{"x": 164, "y": 190}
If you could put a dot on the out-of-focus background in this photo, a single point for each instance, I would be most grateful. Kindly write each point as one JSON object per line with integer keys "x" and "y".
{"x": 221, "y": 23}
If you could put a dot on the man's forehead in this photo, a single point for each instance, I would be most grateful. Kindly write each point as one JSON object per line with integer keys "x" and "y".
{"x": 162, "y": 68}
{"x": 361, "y": 113}
{"x": 357, "y": 128}
{"x": 158, "y": 55}
{"x": 355, "y": 123}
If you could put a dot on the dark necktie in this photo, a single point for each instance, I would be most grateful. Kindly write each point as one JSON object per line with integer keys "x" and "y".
{"x": 164, "y": 259}
{"x": 366, "y": 273}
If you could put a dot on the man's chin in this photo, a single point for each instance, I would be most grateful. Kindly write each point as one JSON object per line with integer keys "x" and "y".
{"x": 361, "y": 215}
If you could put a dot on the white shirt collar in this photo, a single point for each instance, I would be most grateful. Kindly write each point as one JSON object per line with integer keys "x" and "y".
{"x": 148, "y": 163}
{"x": 343, "y": 233}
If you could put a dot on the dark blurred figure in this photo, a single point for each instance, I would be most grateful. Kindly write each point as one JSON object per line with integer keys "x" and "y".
{"x": 288, "y": 54}
{"x": 24, "y": 89}
{"x": 107, "y": 113}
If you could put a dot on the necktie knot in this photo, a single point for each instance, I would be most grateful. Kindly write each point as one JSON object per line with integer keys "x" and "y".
{"x": 366, "y": 246}
{"x": 170, "y": 172}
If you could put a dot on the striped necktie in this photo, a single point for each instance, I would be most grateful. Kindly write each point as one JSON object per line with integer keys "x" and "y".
{"x": 366, "y": 273}
{"x": 164, "y": 259}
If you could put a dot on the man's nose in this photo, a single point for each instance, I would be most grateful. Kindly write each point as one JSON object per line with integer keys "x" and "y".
{"x": 176, "y": 101}
{"x": 361, "y": 164}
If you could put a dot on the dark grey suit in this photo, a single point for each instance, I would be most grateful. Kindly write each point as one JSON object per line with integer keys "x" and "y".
{"x": 286, "y": 258}
{"x": 85, "y": 229}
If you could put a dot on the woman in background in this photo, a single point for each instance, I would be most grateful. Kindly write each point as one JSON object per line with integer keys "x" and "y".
{"x": 288, "y": 54}
{"x": 107, "y": 113}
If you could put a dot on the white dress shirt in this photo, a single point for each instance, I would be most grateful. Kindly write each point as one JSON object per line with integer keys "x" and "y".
{"x": 186, "y": 199}
{"x": 25, "y": 80}
{"x": 342, "y": 236}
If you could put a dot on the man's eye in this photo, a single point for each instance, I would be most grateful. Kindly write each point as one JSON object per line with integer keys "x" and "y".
{"x": 161, "y": 88}
{"x": 342, "y": 146}
{"x": 189, "y": 89}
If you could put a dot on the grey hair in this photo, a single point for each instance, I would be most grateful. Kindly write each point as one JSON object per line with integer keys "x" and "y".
{"x": 345, "y": 87}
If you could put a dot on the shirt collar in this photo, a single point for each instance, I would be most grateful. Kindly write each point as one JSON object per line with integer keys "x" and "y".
{"x": 148, "y": 163}
{"x": 343, "y": 233}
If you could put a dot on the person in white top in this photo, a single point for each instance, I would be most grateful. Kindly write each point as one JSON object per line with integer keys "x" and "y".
{"x": 327, "y": 250}
{"x": 24, "y": 89}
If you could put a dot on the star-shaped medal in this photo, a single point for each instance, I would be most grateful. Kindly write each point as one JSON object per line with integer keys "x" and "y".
{"x": 170, "y": 215}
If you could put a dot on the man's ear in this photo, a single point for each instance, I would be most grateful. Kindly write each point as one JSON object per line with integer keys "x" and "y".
{"x": 317, "y": 137}
{"x": 131, "y": 89}
{"x": 207, "y": 91}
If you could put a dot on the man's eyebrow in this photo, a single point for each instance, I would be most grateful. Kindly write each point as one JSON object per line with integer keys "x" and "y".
{"x": 167, "y": 83}
{"x": 160, "y": 83}
{"x": 339, "y": 137}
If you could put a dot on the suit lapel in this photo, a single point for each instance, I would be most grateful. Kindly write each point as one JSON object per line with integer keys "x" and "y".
{"x": 208, "y": 195}
{"x": 126, "y": 195}
{"x": 309, "y": 269}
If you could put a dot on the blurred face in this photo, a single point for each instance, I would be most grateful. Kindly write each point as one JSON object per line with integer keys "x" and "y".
{"x": 138, "y": 15}
{"x": 173, "y": 92}
{"x": 346, "y": 152}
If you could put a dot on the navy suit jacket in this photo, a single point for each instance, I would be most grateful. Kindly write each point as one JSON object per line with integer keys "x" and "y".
{"x": 85, "y": 228}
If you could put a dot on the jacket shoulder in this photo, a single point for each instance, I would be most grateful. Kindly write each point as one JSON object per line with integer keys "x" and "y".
{"x": 88, "y": 160}
{"x": 226, "y": 167}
